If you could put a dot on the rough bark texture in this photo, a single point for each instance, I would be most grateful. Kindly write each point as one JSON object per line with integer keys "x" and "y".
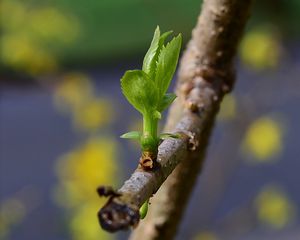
{"x": 205, "y": 75}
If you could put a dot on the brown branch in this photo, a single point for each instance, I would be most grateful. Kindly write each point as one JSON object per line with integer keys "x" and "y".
{"x": 210, "y": 53}
{"x": 121, "y": 211}
{"x": 205, "y": 76}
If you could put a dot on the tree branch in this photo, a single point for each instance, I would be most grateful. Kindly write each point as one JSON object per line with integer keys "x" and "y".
{"x": 205, "y": 75}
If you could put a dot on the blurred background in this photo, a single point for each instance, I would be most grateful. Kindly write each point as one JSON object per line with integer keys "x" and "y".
{"x": 62, "y": 112}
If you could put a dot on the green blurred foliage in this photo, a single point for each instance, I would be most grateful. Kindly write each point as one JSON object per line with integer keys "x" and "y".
{"x": 115, "y": 28}
{"x": 285, "y": 15}
{"x": 32, "y": 37}
{"x": 60, "y": 32}
{"x": 39, "y": 36}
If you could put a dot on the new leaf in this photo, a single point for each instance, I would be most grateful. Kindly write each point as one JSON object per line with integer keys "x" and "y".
{"x": 151, "y": 57}
{"x": 168, "y": 135}
{"x": 167, "y": 99}
{"x": 166, "y": 65}
{"x": 149, "y": 63}
{"x": 140, "y": 91}
{"x": 132, "y": 135}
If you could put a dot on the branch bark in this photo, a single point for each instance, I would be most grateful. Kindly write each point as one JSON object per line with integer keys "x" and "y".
{"x": 205, "y": 75}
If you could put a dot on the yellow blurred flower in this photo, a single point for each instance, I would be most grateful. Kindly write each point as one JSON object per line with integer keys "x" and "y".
{"x": 260, "y": 49}
{"x": 206, "y": 236}
{"x": 29, "y": 34}
{"x": 83, "y": 169}
{"x": 274, "y": 208}
{"x": 94, "y": 114}
{"x": 12, "y": 212}
{"x": 263, "y": 139}
{"x": 72, "y": 91}
{"x": 80, "y": 172}
{"x": 75, "y": 94}
{"x": 51, "y": 24}
{"x": 22, "y": 53}
{"x": 84, "y": 223}
{"x": 14, "y": 13}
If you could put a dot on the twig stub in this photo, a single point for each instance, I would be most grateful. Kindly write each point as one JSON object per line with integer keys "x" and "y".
{"x": 148, "y": 161}
{"x": 107, "y": 191}
{"x": 117, "y": 216}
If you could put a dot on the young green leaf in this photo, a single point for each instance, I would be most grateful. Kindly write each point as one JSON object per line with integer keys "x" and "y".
{"x": 166, "y": 65}
{"x": 157, "y": 114}
{"x": 146, "y": 89}
{"x": 167, "y": 99}
{"x": 149, "y": 63}
{"x": 151, "y": 57}
{"x": 144, "y": 209}
{"x": 162, "y": 39}
{"x": 140, "y": 91}
{"x": 132, "y": 135}
{"x": 168, "y": 135}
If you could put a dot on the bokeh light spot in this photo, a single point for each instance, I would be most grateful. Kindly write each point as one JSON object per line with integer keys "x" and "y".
{"x": 263, "y": 139}
{"x": 274, "y": 208}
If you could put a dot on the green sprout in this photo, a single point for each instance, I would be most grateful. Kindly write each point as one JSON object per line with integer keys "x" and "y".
{"x": 146, "y": 90}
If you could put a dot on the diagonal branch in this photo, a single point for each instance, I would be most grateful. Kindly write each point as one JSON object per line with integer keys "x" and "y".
{"x": 205, "y": 75}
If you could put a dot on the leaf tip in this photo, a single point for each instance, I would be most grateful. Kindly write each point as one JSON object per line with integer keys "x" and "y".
{"x": 131, "y": 135}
